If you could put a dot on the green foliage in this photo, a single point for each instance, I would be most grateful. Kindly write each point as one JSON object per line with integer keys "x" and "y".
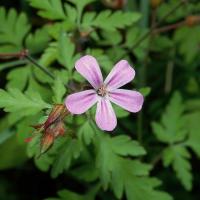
{"x": 108, "y": 20}
{"x": 181, "y": 12}
{"x": 87, "y": 132}
{"x": 15, "y": 101}
{"x": 87, "y": 162}
{"x": 13, "y": 29}
{"x": 131, "y": 173}
{"x": 12, "y": 153}
{"x": 58, "y": 90}
{"x": 37, "y": 41}
{"x": 81, "y": 4}
{"x": 177, "y": 156}
{"x": 68, "y": 151}
{"x": 176, "y": 130}
{"x": 19, "y": 77}
{"x": 188, "y": 46}
{"x": 66, "y": 50}
{"x": 50, "y": 9}
{"x": 67, "y": 194}
{"x": 171, "y": 127}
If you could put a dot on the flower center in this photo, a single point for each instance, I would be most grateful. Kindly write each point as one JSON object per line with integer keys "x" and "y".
{"x": 102, "y": 91}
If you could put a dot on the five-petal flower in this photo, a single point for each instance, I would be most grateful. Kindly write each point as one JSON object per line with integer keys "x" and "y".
{"x": 103, "y": 93}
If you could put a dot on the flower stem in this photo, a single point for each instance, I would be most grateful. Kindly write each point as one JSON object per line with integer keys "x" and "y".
{"x": 32, "y": 60}
{"x": 169, "y": 76}
{"x": 169, "y": 27}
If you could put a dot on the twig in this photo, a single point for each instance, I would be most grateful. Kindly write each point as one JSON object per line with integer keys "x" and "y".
{"x": 25, "y": 54}
{"x": 169, "y": 27}
{"x": 158, "y": 23}
{"x": 32, "y": 60}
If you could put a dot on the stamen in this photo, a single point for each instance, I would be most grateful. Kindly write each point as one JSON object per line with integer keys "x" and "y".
{"x": 102, "y": 91}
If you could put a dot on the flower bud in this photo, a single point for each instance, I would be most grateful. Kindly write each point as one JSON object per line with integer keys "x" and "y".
{"x": 52, "y": 128}
{"x": 192, "y": 20}
{"x": 155, "y": 3}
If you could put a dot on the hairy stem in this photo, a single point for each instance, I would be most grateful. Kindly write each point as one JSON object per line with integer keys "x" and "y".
{"x": 46, "y": 71}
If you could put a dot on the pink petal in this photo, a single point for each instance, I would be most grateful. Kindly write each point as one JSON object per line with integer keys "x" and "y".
{"x": 80, "y": 102}
{"x": 88, "y": 67}
{"x": 121, "y": 74}
{"x": 127, "y": 99}
{"x": 105, "y": 115}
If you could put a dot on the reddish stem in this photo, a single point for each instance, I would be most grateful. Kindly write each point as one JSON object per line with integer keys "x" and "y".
{"x": 169, "y": 27}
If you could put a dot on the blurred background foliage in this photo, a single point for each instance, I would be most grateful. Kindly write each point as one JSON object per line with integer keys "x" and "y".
{"x": 151, "y": 155}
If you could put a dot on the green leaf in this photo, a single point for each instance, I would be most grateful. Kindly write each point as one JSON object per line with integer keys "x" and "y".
{"x": 4, "y": 135}
{"x": 87, "y": 132}
{"x": 145, "y": 91}
{"x": 66, "y": 50}
{"x": 59, "y": 90}
{"x": 80, "y": 4}
{"x": 177, "y": 156}
{"x": 71, "y": 12}
{"x": 86, "y": 172}
{"x": 70, "y": 150}
{"x": 132, "y": 36}
{"x": 171, "y": 127}
{"x": 12, "y": 153}
{"x": 50, "y": 9}
{"x": 37, "y": 41}
{"x": 187, "y": 40}
{"x": 124, "y": 146}
{"x": 120, "y": 112}
{"x": 138, "y": 188}
{"x": 24, "y": 129}
{"x": 109, "y": 21}
{"x": 108, "y": 151}
{"x": 55, "y": 28}
{"x": 123, "y": 174}
{"x": 110, "y": 38}
{"x": 25, "y": 104}
{"x": 181, "y": 11}
{"x": 193, "y": 127}
{"x": 13, "y": 29}
{"x": 18, "y": 78}
{"x": 102, "y": 58}
{"x": 49, "y": 55}
{"x": 67, "y": 194}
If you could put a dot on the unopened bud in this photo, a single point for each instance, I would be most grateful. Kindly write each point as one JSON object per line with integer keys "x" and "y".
{"x": 155, "y": 3}
{"x": 192, "y": 20}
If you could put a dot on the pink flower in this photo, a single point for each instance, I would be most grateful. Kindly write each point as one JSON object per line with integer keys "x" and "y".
{"x": 103, "y": 93}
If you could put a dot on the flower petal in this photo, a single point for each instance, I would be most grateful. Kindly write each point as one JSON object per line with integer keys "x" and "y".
{"x": 127, "y": 99}
{"x": 80, "y": 102}
{"x": 105, "y": 115}
{"x": 88, "y": 67}
{"x": 121, "y": 74}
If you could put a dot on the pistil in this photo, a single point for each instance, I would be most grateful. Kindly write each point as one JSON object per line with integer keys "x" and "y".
{"x": 102, "y": 91}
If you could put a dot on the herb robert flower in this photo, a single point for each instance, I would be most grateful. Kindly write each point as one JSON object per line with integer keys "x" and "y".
{"x": 104, "y": 92}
